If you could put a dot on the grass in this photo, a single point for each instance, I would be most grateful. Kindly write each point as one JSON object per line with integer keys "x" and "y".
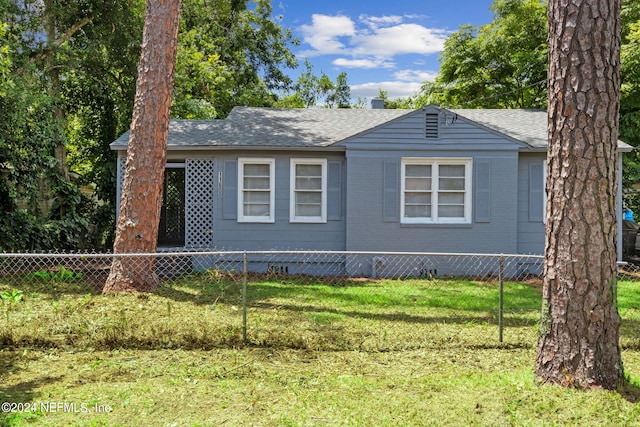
{"x": 383, "y": 353}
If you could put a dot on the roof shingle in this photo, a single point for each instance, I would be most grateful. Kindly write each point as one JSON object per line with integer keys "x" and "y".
{"x": 303, "y": 127}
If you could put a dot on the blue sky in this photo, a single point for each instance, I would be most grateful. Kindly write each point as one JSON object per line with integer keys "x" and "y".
{"x": 391, "y": 45}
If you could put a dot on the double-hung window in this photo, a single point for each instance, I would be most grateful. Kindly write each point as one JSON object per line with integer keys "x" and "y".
{"x": 436, "y": 191}
{"x": 308, "y": 199}
{"x": 256, "y": 198}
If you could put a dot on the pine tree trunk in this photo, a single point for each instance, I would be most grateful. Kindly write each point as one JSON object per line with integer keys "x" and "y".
{"x": 579, "y": 330}
{"x": 137, "y": 228}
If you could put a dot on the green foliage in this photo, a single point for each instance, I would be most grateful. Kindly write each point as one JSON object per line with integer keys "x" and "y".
{"x": 290, "y": 101}
{"x": 499, "y": 65}
{"x": 396, "y": 104}
{"x": 67, "y": 80}
{"x": 229, "y": 54}
{"x": 307, "y": 85}
{"x": 310, "y": 87}
{"x": 21, "y": 231}
{"x": 61, "y": 274}
{"x": 5, "y": 62}
{"x": 82, "y": 106}
{"x": 13, "y": 295}
{"x": 340, "y": 93}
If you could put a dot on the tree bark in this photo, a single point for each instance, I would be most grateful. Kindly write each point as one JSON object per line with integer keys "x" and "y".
{"x": 137, "y": 228}
{"x": 579, "y": 330}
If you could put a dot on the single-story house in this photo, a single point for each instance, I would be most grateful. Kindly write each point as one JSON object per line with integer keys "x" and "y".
{"x": 426, "y": 180}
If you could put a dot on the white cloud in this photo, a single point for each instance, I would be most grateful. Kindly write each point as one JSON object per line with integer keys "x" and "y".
{"x": 324, "y": 32}
{"x": 415, "y": 75}
{"x": 399, "y": 39}
{"x": 385, "y": 36}
{"x": 380, "y": 21}
{"x": 362, "y": 63}
{"x": 376, "y": 42}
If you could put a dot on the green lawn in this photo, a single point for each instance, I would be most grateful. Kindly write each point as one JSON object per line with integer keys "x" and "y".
{"x": 365, "y": 353}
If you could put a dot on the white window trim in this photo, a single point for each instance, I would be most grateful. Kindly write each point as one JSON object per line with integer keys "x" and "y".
{"x": 262, "y": 161}
{"x": 468, "y": 186}
{"x": 292, "y": 191}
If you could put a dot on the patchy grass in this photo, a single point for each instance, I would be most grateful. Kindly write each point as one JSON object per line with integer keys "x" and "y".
{"x": 384, "y": 353}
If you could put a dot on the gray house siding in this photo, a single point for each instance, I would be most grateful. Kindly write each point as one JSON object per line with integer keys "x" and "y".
{"x": 373, "y": 208}
{"x": 282, "y": 234}
{"x": 453, "y": 132}
{"x": 531, "y": 233}
{"x": 374, "y": 222}
{"x": 211, "y": 204}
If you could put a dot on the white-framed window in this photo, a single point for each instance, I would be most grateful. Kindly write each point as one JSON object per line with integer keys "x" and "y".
{"x": 436, "y": 191}
{"x": 256, "y": 198}
{"x": 308, "y": 199}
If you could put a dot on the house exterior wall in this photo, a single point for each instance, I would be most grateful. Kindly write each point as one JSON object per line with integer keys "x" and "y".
{"x": 211, "y": 204}
{"x": 374, "y": 162}
{"x": 372, "y": 226}
{"x": 373, "y": 204}
{"x": 282, "y": 234}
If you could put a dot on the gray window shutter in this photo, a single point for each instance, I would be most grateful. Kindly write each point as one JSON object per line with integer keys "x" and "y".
{"x": 334, "y": 191}
{"x": 230, "y": 190}
{"x": 483, "y": 191}
{"x": 536, "y": 192}
{"x": 391, "y": 192}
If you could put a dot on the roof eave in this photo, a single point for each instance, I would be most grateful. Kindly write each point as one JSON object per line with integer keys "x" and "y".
{"x": 331, "y": 148}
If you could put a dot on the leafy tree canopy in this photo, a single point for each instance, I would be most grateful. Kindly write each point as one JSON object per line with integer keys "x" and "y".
{"x": 310, "y": 88}
{"x": 67, "y": 81}
{"x": 229, "y": 54}
{"x": 499, "y": 65}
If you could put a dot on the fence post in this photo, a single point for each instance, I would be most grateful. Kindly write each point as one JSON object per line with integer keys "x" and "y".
{"x": 501, "y": 297}
{"x": 244, "y": 297}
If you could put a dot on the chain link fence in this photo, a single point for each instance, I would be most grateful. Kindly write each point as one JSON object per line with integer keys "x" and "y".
{"x": 238, "y": 271}
{"x": 92, "y": 269}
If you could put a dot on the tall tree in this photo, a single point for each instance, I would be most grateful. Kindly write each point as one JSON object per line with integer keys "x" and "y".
{"x": 498, "y": 65}
{"x": 579, "y": 329}
{"x": 230, "y": 53}
{"x": 137, "y": 229}
{"x": 343, "y": 91}
{"x": 71, "y": 94}
{"x": 307, "y": 85}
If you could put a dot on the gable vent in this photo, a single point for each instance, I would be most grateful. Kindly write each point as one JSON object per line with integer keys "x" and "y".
{"x": 431, "y": 125}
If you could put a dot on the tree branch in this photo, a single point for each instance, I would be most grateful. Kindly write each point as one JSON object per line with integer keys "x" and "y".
{"x": 71, "y": 31}
{"x": 56, "y": 43}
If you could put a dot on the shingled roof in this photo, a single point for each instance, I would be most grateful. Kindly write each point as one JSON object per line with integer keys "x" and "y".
{"x": 274, "y": 127}
{"x": 303, "y": 127}
{"x": 528, "y": 126}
